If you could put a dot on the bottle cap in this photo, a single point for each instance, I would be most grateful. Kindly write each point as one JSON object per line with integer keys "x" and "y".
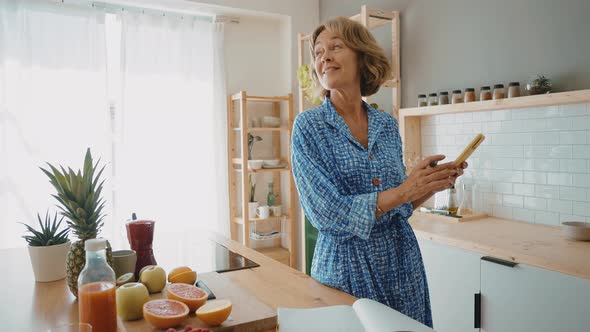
{"x": 95, "y": 244}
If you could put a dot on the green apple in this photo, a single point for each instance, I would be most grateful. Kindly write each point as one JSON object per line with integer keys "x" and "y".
{"x": 130, "y": 300}
{"x": 154, "y": 278}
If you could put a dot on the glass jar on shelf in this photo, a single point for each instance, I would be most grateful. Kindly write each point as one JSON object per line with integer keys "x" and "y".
{"x": 456, "y": 97}
{"x": 443, "y": 98}
{"x": 513, "y": 89}
{"x": 422, "y": 100}
{"x": 432, "y": 99}
{"x": 469, "y": 95}
{"x": 485, "y": 93}
{"x": 498, "y": 91}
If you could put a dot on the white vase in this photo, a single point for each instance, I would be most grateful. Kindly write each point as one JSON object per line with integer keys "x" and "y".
{"x": 49, "y": 263}
{"x": 252, "y": 206}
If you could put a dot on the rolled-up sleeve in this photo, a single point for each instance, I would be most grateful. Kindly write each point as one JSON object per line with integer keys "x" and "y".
{"x": 327, "y": 209}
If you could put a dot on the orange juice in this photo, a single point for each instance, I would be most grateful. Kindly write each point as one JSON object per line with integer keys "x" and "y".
{"x": 97, "y": 306}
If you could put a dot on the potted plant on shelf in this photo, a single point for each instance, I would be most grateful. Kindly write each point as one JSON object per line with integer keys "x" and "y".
{"x": 252, "y": 204}
{"x": 307, "y": 85}
{"x": 48, "y": 248}
{"x": 79, "y": 196}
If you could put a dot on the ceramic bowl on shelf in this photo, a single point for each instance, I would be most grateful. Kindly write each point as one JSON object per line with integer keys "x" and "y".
{"x": 271, "y": 121}
{"x": 271, "y": 162}
{"x": 576, "y": 230}
{"x": 255, "y": 164}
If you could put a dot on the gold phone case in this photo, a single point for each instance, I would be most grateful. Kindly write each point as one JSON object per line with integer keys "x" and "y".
{"x": 469, "y": 149}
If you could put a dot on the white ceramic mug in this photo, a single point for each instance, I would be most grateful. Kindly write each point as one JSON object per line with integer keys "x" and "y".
{"x": 263, "y": 212}
{"x": 276, "y": 210}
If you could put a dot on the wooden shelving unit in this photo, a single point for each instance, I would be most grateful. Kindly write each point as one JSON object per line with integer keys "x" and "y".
{"x": 239, "y": 173}
{"x": 410, "y": 118}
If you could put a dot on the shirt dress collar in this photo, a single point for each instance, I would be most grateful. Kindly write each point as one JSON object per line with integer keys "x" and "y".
{"x": 376, "y": 123}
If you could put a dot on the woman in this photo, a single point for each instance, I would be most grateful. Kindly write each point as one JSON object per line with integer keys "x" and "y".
{"x": 349, "y": 172}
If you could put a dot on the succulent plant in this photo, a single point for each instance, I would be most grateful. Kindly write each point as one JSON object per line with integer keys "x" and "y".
{"x": 48, "y": 234}
{"x": 539, "y": 85}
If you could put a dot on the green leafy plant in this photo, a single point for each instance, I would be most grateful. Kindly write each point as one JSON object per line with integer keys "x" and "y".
{"x": 539, "y": 85}
{"x": 307, "y": 84}
{"x": 252, "y": 189}
{"x": 48, "y": 234}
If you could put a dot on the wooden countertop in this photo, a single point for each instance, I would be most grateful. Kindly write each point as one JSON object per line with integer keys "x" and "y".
{"x": 31, "y": 306}
{"x": 537, "y": 245}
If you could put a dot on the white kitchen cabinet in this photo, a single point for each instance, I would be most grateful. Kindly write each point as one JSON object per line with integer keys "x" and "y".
{"x": 453, "y": 280}
{"x": 525, "y": 298}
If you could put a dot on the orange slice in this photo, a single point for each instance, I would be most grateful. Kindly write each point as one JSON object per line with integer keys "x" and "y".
{"x": 163, "y": 314}
{"x": 214, "y": 312}
{"x": 189, "y": 277}
{"x": 192, "y": 296}
{"x": 178, "y": 270}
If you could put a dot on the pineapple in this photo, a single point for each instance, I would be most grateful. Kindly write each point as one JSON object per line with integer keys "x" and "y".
{"x": 80, "y": 202}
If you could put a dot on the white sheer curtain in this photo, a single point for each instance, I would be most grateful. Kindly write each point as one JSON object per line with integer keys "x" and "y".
{"x": 52, "y": 104}
{"x": 171, "y": 155}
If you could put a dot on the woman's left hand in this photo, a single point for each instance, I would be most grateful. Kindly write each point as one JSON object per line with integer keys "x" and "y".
{"x": 459, "y": 171}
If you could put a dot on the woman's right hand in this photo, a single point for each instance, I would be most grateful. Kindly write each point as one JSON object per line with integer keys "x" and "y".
{"x": 426, "y": 180}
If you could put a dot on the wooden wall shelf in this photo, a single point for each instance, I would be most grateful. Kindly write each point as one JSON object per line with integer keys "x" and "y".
{"x": 410, "y": 118}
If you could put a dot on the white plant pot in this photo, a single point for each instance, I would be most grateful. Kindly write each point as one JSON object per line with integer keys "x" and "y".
{"x": 252, "y": 206}
{"x": 49, "y": 263}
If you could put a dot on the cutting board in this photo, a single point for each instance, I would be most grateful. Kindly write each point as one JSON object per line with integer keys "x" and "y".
{"x": 248, "y": 314}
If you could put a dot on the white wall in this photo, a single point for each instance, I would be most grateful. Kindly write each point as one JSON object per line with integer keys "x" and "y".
{"x": 534, "y": 165}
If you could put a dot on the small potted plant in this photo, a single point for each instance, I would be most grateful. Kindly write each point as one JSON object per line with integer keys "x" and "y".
{"x": 48, "y": 248}
{"x": 252, "y": 203}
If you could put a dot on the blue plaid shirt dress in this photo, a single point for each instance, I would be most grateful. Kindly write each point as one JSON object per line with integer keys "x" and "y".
{"x": 338, "y": 179}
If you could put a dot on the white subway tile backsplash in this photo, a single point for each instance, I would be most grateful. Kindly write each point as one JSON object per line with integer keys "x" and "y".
{"x": 555, "y": 205}
{"x": 560, "y": 124}
{"x": 581, "y": 151}
{"x": 524, "y": 189}
{"x": 573, "y": 165}
{"x": 547, "y": 191}
{"x": 500, "y": 211}
{"x": 547, "y": 218}
{"x": 581, "y": 122}
{"x": 573, "y": 137}
{"x": 523, "y": 215}
{"x": 573, "y": 193}
{"x": 535, "y": 177}
{"x": 513, "y": 201}
{"x": 531, "y": 113}
{"x": 549, "y": 165}
{"x": 574, "y": 110}
{"x": 581, "y": 208}
{"x": 502, "y": 163}
{"x": 502, "y": 187}
{"x": 570, "y": 217}
{"x": 485, "y": 116}
{"x": 447, "y": 119}
{"x": 533, "y": 125}
{"x": 534, "y": 165}
{"x": 561, "y": 179}
{"x": 535, "y": 203}
{"x": 501, "y": 115}
{"x": 491, "y": 127}
{"x": 509, "y": 139}
{"x": 507, "y": 176}
{"x": 582, "y": 180}
{"x": 545, "y": 138}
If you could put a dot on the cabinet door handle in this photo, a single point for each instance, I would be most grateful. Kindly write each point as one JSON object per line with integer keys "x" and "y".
{"x": 477, "y": 311}
{"x": 499, "y": 261}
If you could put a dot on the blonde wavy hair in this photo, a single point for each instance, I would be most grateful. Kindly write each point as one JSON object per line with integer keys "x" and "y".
{"x": 374, "y": 68}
